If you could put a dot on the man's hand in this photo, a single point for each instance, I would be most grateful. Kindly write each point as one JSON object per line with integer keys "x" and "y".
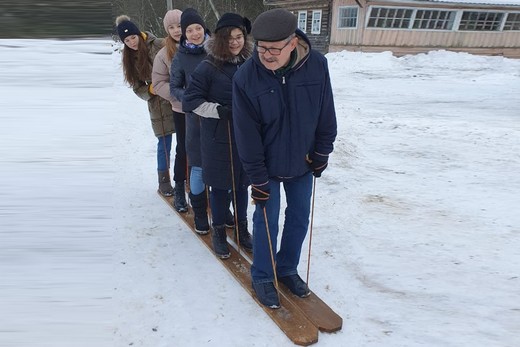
{"x": 260, "y": 194}
{"x": 317, "y": 162}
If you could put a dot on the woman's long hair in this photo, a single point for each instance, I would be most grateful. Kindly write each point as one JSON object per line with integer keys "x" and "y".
{"x": 171, "y": 47}
{"x": 137, "y": 66}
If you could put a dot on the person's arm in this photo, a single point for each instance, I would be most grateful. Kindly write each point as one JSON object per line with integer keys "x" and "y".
{"x": 142, "y": 90}
{"x": 248, "y": 136}
{"x": 161, "y": 76}
{"x": 177, "y": 78}
{"x": 326, "y": 129}
{"x": 196, "y": 95}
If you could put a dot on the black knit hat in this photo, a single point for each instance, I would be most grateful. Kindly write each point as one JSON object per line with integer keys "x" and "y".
{"x": 190, "y": 16}
{"x": 234, "y": 20}
{"x": 125, "y": 27}
{"x": 274, "y": 25}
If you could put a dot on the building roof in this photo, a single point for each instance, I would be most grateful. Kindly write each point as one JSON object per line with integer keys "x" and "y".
{"x": 481, "y": 2}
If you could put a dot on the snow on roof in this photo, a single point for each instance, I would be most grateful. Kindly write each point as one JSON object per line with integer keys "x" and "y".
{"x": 482, "y": 2}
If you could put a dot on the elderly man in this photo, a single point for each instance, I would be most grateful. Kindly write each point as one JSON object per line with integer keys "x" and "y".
{"x": 285, "y": 126}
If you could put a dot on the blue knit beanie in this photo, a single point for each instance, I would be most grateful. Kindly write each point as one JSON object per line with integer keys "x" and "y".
{"x": 125, "y": 27}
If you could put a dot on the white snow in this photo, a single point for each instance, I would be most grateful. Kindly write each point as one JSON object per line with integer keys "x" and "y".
{"x": 416, "y": 238}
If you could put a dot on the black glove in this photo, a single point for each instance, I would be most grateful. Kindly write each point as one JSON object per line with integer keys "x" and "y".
{"x": 224, "y": 112}
{"x": 317, "y": 162}
{"x": 260, "y": 194}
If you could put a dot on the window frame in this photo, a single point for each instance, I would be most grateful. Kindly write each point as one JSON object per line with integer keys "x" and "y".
{"x": 318, "y": 31}
{"x": 348, "y": 18}
{"x": 299, "y": 21}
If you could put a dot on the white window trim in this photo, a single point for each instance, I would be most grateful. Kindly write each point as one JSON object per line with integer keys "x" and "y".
{"x": 357, "y": 17}
{"x": 305, "y": 28}
{"x": 312, "y": 23}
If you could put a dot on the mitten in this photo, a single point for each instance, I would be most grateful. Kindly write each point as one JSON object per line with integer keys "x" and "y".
{"x": 224, "y": 112}
{"x": 260, "y": 194}
{"x": 317, "y": 162}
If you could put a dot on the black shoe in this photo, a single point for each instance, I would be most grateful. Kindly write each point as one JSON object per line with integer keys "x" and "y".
{"x": 165, "y": 186}
{"x": 267, "y": 295}
{"x": 219, "y": 241}
{"x": 179, "y": 202}
{"x": 244, "y": 236}
{"x": 295, "y": 285}
{"x": 199, "y": 205}
{"x": 230, "y": 219}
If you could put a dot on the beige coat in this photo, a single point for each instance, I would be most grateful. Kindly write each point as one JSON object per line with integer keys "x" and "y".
{"x": 161, "y": 114}
{"x": 161, "y": 79}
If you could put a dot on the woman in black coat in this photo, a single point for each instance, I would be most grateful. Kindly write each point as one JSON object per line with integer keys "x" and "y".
{"x": 209, "y": 96}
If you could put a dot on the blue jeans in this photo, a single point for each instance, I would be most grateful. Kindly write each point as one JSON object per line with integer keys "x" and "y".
{"x": 197, "y": 185}
{"x": 164, "y": 148}
{"x": 298, "y": 195}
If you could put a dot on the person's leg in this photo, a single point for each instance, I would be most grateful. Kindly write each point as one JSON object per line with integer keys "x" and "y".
{"x": 219, "y": 207}
{"x": 197, "y": 185}
{"x": 244, "y": 236}
{"x": 163, "y": 165}
{"x": 262, "y": 267}
{"x": 179, "y": 166}
{"x": 199, "y": 201}
{"x": 298, "y": 196}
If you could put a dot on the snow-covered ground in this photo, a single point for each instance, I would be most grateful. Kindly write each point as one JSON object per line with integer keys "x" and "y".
{"x": 416, "y": 237}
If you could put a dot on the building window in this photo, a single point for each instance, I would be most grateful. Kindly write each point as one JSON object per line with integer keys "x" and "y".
{"x": 397, "y": 18}
{"x": 302, "y": 21}
{"x": 434, "y": 20}
{"x": 347, "y": 17}
{"x": 480, "y": 21}
{"x": 512, "y": 22}
{"x": 316, "y": 22}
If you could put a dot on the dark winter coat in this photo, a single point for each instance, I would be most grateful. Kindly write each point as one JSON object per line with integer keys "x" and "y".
{"x": 211, "y": 85}
{"x": 278, "y": 120}
{"x": 160, "y": 110}
{"x": 184, "y": 63}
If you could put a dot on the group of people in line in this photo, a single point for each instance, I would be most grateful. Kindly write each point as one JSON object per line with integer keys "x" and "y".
{"x": 251, "y": 105}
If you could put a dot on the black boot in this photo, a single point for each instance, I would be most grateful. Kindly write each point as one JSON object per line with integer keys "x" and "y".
{"x": 165, "y": 186}
{"x": 179, "y": 202}
{"x": 200, "y": 206}
{"x": 220, "y": 245}
{"x": 245, "y": 238}
{"x": 230, "y": 219}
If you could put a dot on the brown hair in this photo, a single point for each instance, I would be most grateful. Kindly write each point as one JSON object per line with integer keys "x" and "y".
{"x": 137, "y": 66}
{"x": 171, "y": 47}
{"x": 221, "y": 44}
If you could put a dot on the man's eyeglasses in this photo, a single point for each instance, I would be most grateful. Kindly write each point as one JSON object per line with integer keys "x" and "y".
{"x": 272, "y": 50}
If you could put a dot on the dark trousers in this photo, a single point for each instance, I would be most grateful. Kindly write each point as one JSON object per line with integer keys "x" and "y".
{"x": 179, "y": 168}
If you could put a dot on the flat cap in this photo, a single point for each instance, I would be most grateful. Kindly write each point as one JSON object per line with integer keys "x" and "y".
{"x": 274, "y": 25}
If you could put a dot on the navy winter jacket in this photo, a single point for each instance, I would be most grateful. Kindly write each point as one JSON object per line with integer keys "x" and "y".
{"x": 278, "y": 120}
{"x": 183, "y": 64}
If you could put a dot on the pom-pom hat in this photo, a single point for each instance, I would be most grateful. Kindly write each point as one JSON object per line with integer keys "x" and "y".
{"x": 125, "y": 27}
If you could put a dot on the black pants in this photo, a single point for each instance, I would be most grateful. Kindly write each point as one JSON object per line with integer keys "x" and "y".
{"x": 179, "y": 168}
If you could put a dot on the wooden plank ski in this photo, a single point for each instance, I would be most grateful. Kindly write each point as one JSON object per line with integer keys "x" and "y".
{"x": 296, "y": 326}
{"x": 315, "y": 309}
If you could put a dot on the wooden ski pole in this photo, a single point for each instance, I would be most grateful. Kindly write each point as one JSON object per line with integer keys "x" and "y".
{"x": 310, "y": 231}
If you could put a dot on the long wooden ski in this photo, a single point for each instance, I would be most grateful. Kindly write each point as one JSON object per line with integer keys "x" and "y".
{"x": 315, "y": 309}
{"x": 296, "y": 326}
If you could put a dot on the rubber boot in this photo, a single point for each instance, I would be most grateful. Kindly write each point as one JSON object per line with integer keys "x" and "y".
{"x": 200, "y": 206}
{"x": 165, "y": 186}
{"x": 245, "y": 237}
{"x": 219, "y": 241}
{"x": 179, "y": 203}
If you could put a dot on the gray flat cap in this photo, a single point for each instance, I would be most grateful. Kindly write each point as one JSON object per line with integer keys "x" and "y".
{"x": 274, "y": 25}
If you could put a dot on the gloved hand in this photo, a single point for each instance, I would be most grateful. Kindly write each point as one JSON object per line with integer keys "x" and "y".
{"x": 224, "y": 112}
{"x": 260, "y": 194}
{"x": 317, "y": 162}
{"x": 150, "y": 89}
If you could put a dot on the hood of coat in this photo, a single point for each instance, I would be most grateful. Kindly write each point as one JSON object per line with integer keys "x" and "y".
{"x": 245, "y": 53}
